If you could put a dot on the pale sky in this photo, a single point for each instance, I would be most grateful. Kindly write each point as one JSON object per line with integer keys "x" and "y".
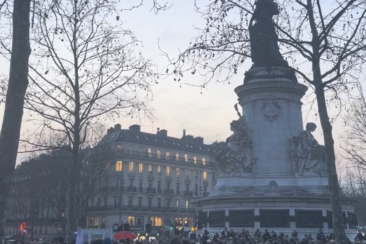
{"x": 207, "y": 114}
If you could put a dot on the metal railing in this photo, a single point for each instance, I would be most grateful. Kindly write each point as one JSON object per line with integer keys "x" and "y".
{"x": 117, "y": 152}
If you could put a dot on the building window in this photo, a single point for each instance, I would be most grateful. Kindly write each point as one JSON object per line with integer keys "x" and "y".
{"x": 107, "y": 166}
{"x": 93, "y": 221}
{"x": 130, "y": 201}
{"x": 187, "y": 204}
{"x": 158, "y": 170}
{"x": 150, "y": 184}
{"x": 149, "y": 203}
{"x": 177, "y": 170}
{"x": 150, "y": 168}
{"x": 159, "y": 202}
{"x": 91, "y": 202}
{"x": 138, "y": 221}
{"x": 131, "y": 220}
{"x": 187, "y": 187}
{"x": 196, "y": 190}
{"x": 141, "y": 168}
{"x": 117, "y": 202}
{"x": 159, "y": 186}
{"x": 178, "y": 188}
{"x": 131, "y": 167}
{"x": 156, "y": 221}
{"x": 119, "y": 149}
{"x": 187, "y": 172}
{"x": 140, "y": 202}
{"x": 185, "y": 158}
{"x": 167, "y": 171}
{"x": 158, "y": 154}
{"x": 177, "y": 203}
{"x": 167, "y": 155}
{"x": 195, "y": 159}
{"x": 204, "y": 190}
{"x": 140, "y": 184}
{"x": 204, "y": 175}
{"x": 168, "y": 186}
{"x": 119, "y": 166}
{"x": 130, "y": 151}
{"x": 141, "y": 151}
{"x": 196, "y": 173}
{"x": 167, "y": 203}
{"x": 176, "y": 156}
{"x": 203, "y": 161}
{"x": 130, "y": 182}
{"x": 149, "y": 152}
{"x": 118, "y": 183}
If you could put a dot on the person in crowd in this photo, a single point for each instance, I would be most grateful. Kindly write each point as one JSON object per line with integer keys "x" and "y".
{"x": 294, "y": 236}
{"x": 266, "y": 236}
{"x": 225, "y": 233}
{"x": 257, "y": 235}
{"x": 320, "y": 236}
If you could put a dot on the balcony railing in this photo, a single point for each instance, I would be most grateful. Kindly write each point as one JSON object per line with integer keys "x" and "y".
{"x": 169, "y": 191}
{"x": 139, "y": 208}
{"x": 159, "y": 157}
{"x": 188, "y": 193}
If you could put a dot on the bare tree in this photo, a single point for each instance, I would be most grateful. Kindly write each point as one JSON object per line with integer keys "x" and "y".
{"x": 87, "y": 69}
{"x": 324, "y": 42}
{"x": 16, "y": 89}
{"x": 355, "y": 134}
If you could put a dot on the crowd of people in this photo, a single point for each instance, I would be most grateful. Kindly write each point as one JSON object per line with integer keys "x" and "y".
{"x": 267, "y": 237}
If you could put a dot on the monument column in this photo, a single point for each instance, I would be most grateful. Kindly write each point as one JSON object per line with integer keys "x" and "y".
{"x": 272, "y": 109}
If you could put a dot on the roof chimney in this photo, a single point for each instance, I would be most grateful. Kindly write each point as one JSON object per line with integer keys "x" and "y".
{"x": 117, "y": 127}
{"x": 110, "y": 130}
{"x": 199, "y": 139}
{"x": 162, "y": 133}
{"x": 135, "y": 128}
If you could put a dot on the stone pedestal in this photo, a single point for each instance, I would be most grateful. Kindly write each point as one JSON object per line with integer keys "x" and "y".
{"x": 271, "y": 194}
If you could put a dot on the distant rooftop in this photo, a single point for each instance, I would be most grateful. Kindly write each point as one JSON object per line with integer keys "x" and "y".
{"x": 161, "y": 139}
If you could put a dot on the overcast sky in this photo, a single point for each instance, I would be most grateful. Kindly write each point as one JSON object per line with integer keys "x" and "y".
{"x": 207, "y": 114}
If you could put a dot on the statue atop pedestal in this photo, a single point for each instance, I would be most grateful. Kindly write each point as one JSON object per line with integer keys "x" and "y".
{"x": 268, "y": 63}
{"x": 263, "y": 36}
{"x": 237, "y": 156}
{"x": 307, "y": 155}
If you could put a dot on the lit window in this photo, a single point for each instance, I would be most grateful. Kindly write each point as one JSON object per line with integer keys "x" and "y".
{"x": 203, "y": 161}
{"x": 187, "y": 204}
{"x": 177, "y": 203}
{"x": 204, "y": 175}
{"x": 158, "y": 170}
{"x": 141, "y": 168}
{"x": 131, "y": 220}
{"x": 167, "y": 155}
{"x": 156, "y": 221}
{"x": 158, "y": 154}
{"x": 119, "y": 166}
{"x": 150, "y": 168}
{"x": 185, "y": 158}
{"x": 177, "y": 170}
{"x": 167, "y": 171}
{"x": 149, "y": 152}
{"x": 131, "y": 168}
{"x": 176, "y": 156}
{"x": 194, "y": 159}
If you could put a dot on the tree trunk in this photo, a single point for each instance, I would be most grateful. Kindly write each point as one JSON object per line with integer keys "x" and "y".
{"x": 17, "y": 86}
{"x": 334, "y": 189}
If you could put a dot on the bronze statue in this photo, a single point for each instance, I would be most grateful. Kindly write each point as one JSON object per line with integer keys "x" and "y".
{"x": 263, "y": 37}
